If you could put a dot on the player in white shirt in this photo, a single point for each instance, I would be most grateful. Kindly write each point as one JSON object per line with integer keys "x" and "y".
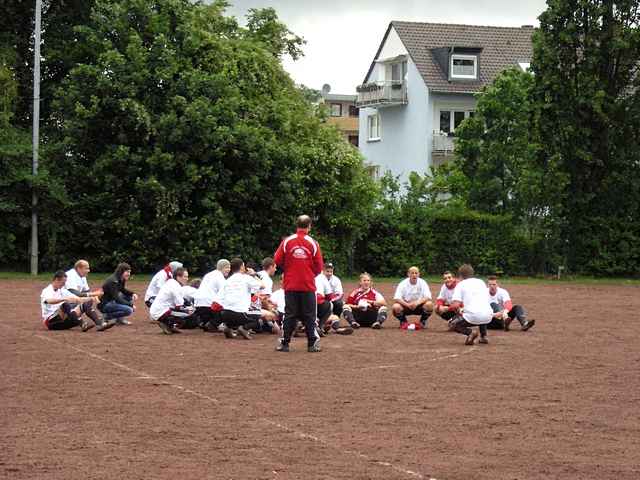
{"x": 504, "y": 309}
{"x": 77, "y": 284}
{"x": 235, "y": 298}
{"x": 159, "y": 279}
{"x": 262, "y": 309}
{"x": 62, "y": 310}
{"x": 207, "y": 298}
{"x": 444, "y": 298}
{"x": 412, "y": 297}
{"x": 268, "y": 270}
{"x": 471, "y": 303}
{"x": 336, "y": 297}
{"x": 168, "y": 307}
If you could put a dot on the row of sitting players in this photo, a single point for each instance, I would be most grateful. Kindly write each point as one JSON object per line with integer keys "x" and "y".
{"x": 237, "y": 300}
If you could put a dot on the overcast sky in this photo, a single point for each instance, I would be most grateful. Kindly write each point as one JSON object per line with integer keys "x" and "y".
{"x": 343, "y": 35}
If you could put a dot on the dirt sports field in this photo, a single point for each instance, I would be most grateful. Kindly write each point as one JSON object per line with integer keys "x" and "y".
{"x": 559, "y": 402}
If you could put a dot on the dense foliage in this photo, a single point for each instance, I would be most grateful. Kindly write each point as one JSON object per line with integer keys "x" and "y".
{"x": 177, "y": 133}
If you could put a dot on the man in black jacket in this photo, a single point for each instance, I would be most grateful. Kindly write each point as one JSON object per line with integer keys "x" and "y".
{"x": 117, "y": 301}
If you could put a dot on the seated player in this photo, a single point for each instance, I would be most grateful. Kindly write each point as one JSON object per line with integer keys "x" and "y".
{"x": 336, "y": 297}
{"x": 207, "y": 298}
{"x": 117, "y": 300}
{"x": 443, "y": 301}
{"x": 365, "y": 306}
{"x": 327, "y": 320}
{"x": 77, "y": 285}
{"x": 412, "y": 297}
{"x": 60, "y": 309}
{"x": 159, "y": 279}
{"x": 504, "y": 311}
{"x": 235, "y": 298}
{"x": 168, "y": 308}
{"x": 262, "y": 310}
{"x": 472, "y": 293}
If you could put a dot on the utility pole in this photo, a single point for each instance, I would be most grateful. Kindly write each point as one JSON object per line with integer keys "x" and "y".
{"x": 36, "y": 136}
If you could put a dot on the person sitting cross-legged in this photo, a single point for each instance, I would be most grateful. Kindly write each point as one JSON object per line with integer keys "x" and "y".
{"x": 62, "y": 310}
{"x": 78, "y": 285}
{"x": 168, "y": 307}
{"x": 235, "y": 298}
{"x": 504, "y": 311}
{"x": 365, "y": 306}
{"x": 117, "y": 300}
{"x": 412, "y": 297}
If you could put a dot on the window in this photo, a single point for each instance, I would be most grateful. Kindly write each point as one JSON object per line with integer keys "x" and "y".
{"x": 353, "y": 111}
{"x": 398, "y": 71}
{"x": 373, "y": 124}
{"x": 451, "y": 119}
{"x": 464, "y": 66}
{"x": 336, "y": 109}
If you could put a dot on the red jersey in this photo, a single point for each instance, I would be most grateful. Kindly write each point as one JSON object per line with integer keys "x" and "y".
{"x": 369, "y": 295}
{"x": 300, "y": 257}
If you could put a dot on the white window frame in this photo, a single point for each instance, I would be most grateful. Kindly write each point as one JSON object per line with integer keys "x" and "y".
{"x": 335, "y": 104}
{"x": 457, "y": 56}
{"x": 452, "y": 114}
{"x": 373, "y": 136}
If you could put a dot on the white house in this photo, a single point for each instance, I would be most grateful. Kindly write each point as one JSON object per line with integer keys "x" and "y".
{"x": 421, "y": 85}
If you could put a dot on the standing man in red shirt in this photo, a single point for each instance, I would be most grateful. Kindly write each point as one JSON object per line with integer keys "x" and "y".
{"x": 300, "y": 258}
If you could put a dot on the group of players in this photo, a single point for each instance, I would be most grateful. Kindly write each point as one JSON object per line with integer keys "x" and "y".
{"x": 240, "y": 302}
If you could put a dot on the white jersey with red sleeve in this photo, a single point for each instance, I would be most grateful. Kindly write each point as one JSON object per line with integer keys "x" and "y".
{"x": 445, "y": 297}
{"x": 169, "y": 297}
{"x": 337, "y": 293}
{"x": 323, "y": 288}
{"x": 502, "y": 298}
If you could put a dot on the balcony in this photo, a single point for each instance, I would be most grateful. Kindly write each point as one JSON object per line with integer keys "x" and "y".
{"x": 443, "y": 143}
{"x": 382, "y": 94}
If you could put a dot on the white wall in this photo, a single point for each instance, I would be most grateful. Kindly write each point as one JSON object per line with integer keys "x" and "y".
{"x": 392, "y": 47}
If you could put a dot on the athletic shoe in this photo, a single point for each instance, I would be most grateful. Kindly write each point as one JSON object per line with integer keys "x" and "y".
{"x": 282, "y": 347}
{"x": 355, "y": 324}
{"x": 244, "y": 332}
{"x": 471, "y": 338}
{"x": 507, "y": 322}
{"x": 105, "y": 325}
{"x": 166, "y": 329}
{"x": 86, "y": 325}
{"x": 174, "y": 328}
{"x": 222, "y": 327}
{"x": 228, "y": 332}
{"x": 344, "y": 330}
{"x": 122, "y": 321}
{"x": 528, "y": 324}
{"x": 315, "y": 347}
{"x": 484, "y": 340}
{"x": 376, "y": 325}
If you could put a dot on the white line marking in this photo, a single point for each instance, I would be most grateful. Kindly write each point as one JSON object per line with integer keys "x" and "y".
{"x": 142, "y": 375}
{"x": 436, "y": 359}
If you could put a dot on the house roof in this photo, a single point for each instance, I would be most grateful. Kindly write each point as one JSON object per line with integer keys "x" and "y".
{"x": 501, "y": 47}
{"x": 338, "y": 97}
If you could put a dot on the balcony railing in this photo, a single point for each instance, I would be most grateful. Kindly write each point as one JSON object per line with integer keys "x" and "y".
{"x": 382, "y": 94}
{"x": 443, "y": 143}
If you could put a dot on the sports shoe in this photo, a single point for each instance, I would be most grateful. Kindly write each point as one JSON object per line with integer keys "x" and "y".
{"x": 228, "y": 332}
{"x": 315, "y": 347}
{"x": 376, "y": 325}
{"x": 484, "y": 340}
{"x": 528, "y": 324}
{"x": 507, "y": 322}
{"x": 86, "y": 325}
{"x": 244, "y": 333}
{"x": 105, "y": 325}
{"x": 122, "y": 321}
{"x": 471, "y": 338}
{"x": 222, "y": 327}
{"x": 166, "y": 329}
{"x": 355, "y": 324}
{"x": 282, "y": 347}
{"x": 344, "y": 330}
{"x": 174, "y": 328}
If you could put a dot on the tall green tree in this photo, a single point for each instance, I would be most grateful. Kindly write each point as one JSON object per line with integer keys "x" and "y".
{"x": 185, "y": 137}
{"x": 586, "y": 81}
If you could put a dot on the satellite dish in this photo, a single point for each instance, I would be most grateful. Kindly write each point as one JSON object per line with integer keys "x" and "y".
{"x": 326, "y": 88}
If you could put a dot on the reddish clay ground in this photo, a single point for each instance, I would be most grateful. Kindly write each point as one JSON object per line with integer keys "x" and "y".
{"x": 558, "y": 402}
